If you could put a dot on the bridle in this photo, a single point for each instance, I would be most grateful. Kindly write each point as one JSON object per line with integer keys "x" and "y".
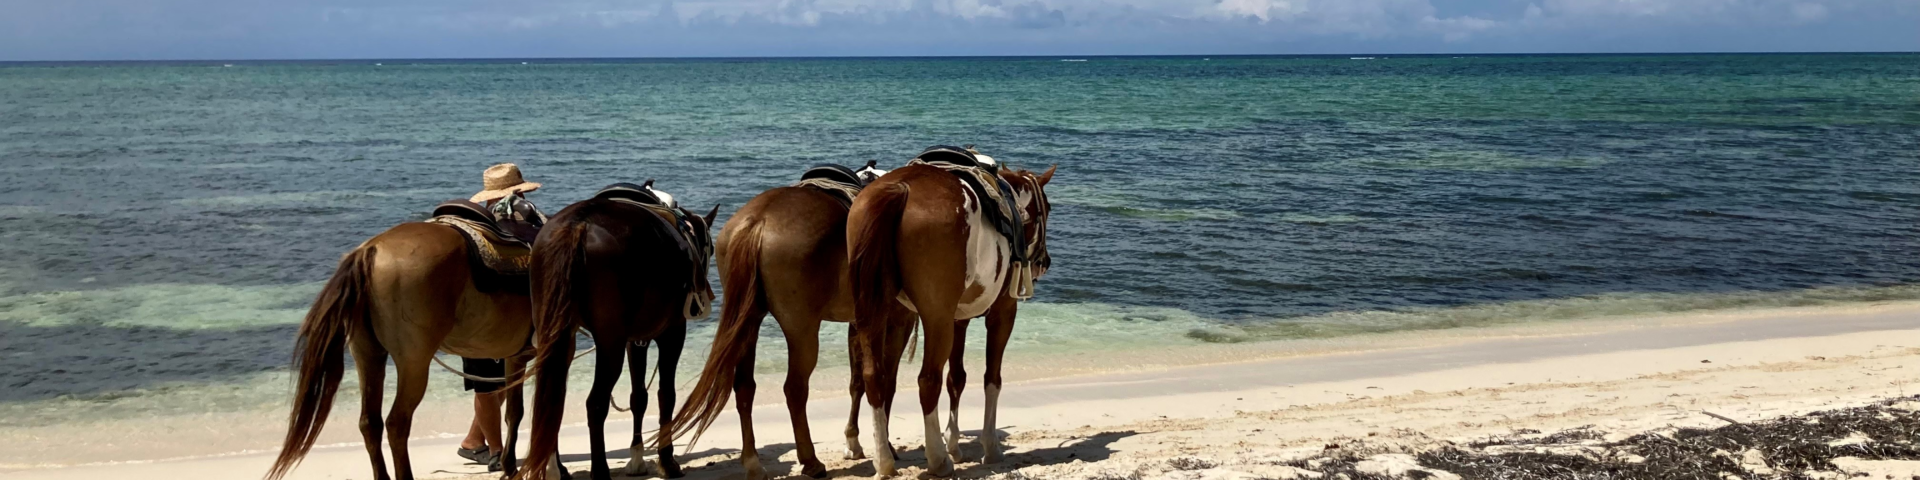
{"x": 699, "y": 303}
{"x": 1038, "y": 261}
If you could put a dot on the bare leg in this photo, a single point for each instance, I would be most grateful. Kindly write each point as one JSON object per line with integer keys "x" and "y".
{"x": 999, "y": 329}
{"x": 371, "y": 362}
{"x": 486, "y": 415}
{"x": 476, "y": 439}
{"x": 803, "y": 352}
{"x": 606, "y": 372}
{"x": 412, "y": 387}
{"x": 956, "y": 383}
{"x": 637, "y": 464}
{"x": 856, "y": 387}
{"x": 671, "y": 342}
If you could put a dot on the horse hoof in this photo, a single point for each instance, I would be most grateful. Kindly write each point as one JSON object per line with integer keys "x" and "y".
{"x": 671, "y": 469}
{"x": 992, "y": 456}
{"x": 943, "y": 471}
{"x": 854, "y": 453}
{"x": 814, "y": 469}
{"x": 639, "y": 467}
{"x": 883, "y": 467}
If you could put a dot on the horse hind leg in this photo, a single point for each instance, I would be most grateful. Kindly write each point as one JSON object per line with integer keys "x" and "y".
{"x": 516, "y": 410}
{"x": 412, "y": 387}
{"x": 637, "y": 464}
{"x": 880, "y": 391}
{"x": 370, "y": 360}
{"x": 803, "y": 352}
{"x": 938, "y": 345}
{"x": 606, "y": 372}
{"x": 671, "y": 342}
{"x": 956, "y": 383}
{"x": 854, "y": 452}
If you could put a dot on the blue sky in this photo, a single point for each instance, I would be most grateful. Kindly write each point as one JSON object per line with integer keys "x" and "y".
{"x": 258, "y": 29}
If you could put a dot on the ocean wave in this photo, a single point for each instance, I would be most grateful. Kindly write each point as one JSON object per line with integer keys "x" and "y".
{"x": 322, "y": 197}
{"x": 1485, "y": 161}
{"x": 1132, "y": 205}
{"x": 1320, "y": 219}
{"x": 1558, "y": 309}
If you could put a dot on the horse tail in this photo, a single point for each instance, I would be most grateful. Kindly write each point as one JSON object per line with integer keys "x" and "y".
{"x": 873, "y": 243}
{"x": 732, "y": 342}
{"x": 318, "y": 356}
{"x": 556, "y": 308}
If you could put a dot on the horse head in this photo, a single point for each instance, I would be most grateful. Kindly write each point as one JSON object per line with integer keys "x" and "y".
{"x": 1029, "y": 191}
{"x": 700, "y": 235}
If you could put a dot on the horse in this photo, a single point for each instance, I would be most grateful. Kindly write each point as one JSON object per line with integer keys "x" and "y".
{"x": 406, "y": 293}
{"x": 784, "y": 252}
{"x": 629, "y": 273}
{"x": 919, "y": 237}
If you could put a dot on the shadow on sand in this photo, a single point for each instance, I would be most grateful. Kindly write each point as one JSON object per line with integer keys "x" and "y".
{"x": 724, "y": 464}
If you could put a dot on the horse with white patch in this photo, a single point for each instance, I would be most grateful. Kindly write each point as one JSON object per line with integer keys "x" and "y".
{"x": 921, "y": 237}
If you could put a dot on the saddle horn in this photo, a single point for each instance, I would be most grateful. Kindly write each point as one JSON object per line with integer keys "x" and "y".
{"x": 871, "y": 163}
{"x": 648, "y": 185}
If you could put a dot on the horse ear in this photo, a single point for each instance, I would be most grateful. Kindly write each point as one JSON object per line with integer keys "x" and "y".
{"x": 712, "y": 214}
{"x": 1048, "y": 177}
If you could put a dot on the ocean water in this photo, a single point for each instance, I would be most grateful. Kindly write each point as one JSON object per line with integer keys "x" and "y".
{"x": 165, "y": 226}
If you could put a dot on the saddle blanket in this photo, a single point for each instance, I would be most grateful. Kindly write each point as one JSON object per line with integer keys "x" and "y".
{"x": 490, "y": 248}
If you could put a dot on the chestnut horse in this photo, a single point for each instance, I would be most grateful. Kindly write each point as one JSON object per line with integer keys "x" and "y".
{"x": 783, "y": 253}
{"x": 406, "y": 293}
{"x": 919, "y": 236}
{"x": 628, "y": 274}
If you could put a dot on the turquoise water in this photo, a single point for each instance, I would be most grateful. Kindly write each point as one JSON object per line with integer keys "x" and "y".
{"x": 167, "y": 224}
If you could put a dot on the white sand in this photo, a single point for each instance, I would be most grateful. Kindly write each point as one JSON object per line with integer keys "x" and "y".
{"x": 1622, "y": 375}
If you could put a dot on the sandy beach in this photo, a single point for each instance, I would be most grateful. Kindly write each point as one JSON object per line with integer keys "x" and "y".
{"x": 1288, "y": 399}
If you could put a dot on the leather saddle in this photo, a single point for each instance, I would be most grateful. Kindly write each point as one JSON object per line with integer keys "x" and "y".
{"x": 641, "y": 194}
{"x": 995, "y": 194}
{"x": 833, "y": 172}
{"x": 503, "y": 247}
{"x": 841, "y": 182}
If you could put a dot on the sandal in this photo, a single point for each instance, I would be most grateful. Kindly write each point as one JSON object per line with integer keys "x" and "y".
{"x": 477, "y": 455}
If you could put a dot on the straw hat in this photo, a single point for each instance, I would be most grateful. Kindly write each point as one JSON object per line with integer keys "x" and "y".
{"x": 502, "y": 180}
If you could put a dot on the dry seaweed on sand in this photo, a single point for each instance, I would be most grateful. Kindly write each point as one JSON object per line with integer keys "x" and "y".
{"x": 1790, "y": 448}
{"x": 1787, "y": 448}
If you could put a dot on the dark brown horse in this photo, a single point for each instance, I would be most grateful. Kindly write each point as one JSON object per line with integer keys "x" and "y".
{"x": 629, "y": 274}
{"x": 405, "y": 294}
{"x": 919, "y": 236}
{"x": 783, "y": 253}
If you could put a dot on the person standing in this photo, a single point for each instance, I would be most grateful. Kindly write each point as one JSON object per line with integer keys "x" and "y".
{"x": 504, "y": 196}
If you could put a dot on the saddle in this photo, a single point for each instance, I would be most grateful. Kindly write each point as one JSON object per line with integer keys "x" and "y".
{"x": 645, "y": 196}
{"x": 841, "y": 182}
{"x": 504, "y": 248}
{"x": 995, "y": 194}
{"x": 637, "y": 194}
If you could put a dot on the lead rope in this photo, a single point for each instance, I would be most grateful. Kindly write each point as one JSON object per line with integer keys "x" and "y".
{"x": 531, "y": 366}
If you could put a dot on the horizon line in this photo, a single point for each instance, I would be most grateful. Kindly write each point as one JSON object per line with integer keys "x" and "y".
{"x": 913, "y": 57}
